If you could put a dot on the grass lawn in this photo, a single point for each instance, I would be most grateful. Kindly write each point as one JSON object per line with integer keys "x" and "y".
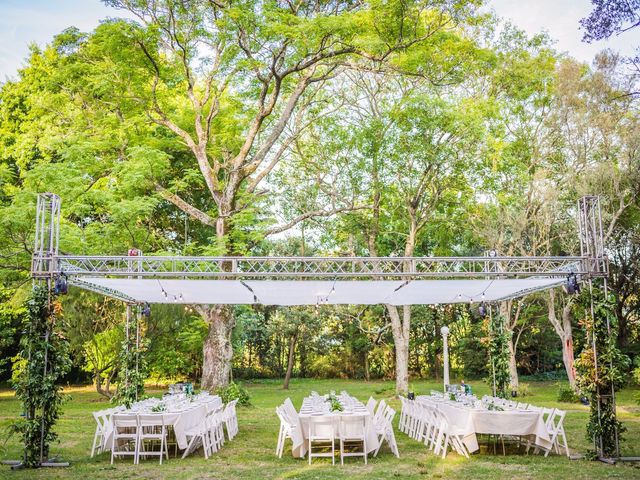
{"x": 251, "y": 453}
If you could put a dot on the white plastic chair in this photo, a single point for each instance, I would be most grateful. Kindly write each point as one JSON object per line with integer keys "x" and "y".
{"x": 556, "y": 432}
{"x": 198, "y": 435}
{"x": 231, "y": 419}
{"x": 352, "y": 431}
{"x": 286, "y": 429}
{"x": 151, "y": 428}
{"x": 371, "y": 405}
{"x": 321, "y": 434}
{"x": 125, "y": 428}
{"x": 102, "y": 419}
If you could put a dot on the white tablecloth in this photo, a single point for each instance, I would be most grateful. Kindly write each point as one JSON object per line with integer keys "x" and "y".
{"x": 300, "y": 434}
{"x": 468, "y": 421}
{"x": 181, "y": 421}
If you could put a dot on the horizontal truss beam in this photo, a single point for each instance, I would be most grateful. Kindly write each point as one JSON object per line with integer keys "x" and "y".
{"x": 362, "y": 268}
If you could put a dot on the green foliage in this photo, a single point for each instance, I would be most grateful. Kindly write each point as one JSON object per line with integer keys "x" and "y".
{"x": 524, "y": 389}
{"x": 234, "y": 391}
{"x": 596, "y": 380}
{"x": 498, "y": 366}
{"x": 567, "y": 394}
{"x": 133, "y": 364}
{"x": 334, "y": 403}
{"x": 44, "y": 361}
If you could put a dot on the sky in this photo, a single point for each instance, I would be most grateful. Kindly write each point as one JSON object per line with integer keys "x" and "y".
{"x": 26, "y": 21}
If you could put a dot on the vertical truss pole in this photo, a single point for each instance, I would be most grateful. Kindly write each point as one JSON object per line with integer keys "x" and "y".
{"x": 592, "y": 250}
{"x": 47, "y": 235}
{"x": 45, "y": 251}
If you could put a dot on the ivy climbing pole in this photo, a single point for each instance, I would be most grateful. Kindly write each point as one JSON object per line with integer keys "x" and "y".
{"x": 133, "y": 366}
{"x": 498, "y": 355}
{"x": 44, "y": 350}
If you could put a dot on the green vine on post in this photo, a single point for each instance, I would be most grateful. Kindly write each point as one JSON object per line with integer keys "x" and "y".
{"x": 498, "y": 366}
{"x": 133, "y": 366}
{"x": 599, "y": 383}
{"x": 45, "y": 360}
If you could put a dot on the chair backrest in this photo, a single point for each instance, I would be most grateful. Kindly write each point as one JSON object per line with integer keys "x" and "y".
{"x": 380, "y": 410}
{"x": 558, "y": 419}
{"x": 352, "y": 426}
{"x": 371, "y": 404}
{"x": 124, "y": 420}
{"x": 151, "y": 419}
{"x": 321, "y": 427}
{"x": 290, "y": 409}
{"x": 99, "y": 417}
{"x": 389, "y": 413}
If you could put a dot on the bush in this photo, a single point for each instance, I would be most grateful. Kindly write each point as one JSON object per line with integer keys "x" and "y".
{"x": 524, "y": 390}
{"x": 234, "y": 391}
{"x": 567, "y": 394}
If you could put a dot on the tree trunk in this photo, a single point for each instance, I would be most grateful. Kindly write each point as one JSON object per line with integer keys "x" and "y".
{"x": 367, "y": 375}
{"x": 292, "y": 349}
{"x": 217, "y": 351}
{"x": 513, "y": 369}
{"x": 564, "y": 330}
{"x": 400, "y": 330}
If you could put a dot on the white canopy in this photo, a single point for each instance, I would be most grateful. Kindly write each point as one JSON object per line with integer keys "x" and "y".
{"x": 307, "y": 292}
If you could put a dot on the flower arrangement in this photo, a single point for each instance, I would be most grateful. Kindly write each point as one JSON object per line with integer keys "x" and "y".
{"x": 161, "y": 407}
{"x": 335, "y": 405}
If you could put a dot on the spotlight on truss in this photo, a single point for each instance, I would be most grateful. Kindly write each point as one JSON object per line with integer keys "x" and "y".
{"x": 571, "y": 286}
{"x": 61, "y": 287}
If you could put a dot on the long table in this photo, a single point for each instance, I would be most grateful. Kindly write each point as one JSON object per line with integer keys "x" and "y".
{"x": 181, "y": 420}
{"x": 300, "y": 435}
{"x": 467, "y": 421}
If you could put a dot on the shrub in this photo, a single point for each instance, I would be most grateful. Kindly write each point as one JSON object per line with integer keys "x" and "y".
{"x": 234, "y": 391}
{"x": 567, "y": 394}
{"x": 524, "y": 390}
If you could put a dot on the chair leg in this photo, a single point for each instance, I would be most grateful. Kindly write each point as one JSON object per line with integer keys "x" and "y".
{"x": 341, "y": 452}
{"x": 333, "y": 452}
{"x": 95, "y": 438}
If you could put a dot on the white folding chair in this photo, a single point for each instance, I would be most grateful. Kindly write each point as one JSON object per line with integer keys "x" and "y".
{"x": 371, "y": 405}
{"x": 151, "y": 428}
{"x": 124, "y": 436}
{"x": 198, "y": 435}
{"x": 216, "y": 429}
{"x": 231, "y": 419}
{"x": 321, "y": 435}
{"x": 286, "y": 429}
{"x": 352, "y": 432}
{"x": 102, "y": 419}
{"x": 556, "y": 432}
{"x": 384, "y": 431}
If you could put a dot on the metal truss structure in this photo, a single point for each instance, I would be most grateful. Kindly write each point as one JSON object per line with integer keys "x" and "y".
{"x": 48, "y": 263}
{"x": 362, "y": 268}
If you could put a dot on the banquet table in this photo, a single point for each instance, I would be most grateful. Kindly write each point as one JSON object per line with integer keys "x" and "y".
{"x": 181, "y": 419}
{"x": 309, "y": 410}
{"x": 468, "y": 421}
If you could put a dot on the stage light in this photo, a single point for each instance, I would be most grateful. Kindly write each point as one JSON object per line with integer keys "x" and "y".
{"x": 146, "y": 310}
{"x": 572, "y": 287}
{"x": 482, "y": 310}
{"x": 60, "y": 287}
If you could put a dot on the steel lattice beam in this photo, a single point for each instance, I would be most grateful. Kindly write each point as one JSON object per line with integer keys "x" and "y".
{"x": 321, "y": 267}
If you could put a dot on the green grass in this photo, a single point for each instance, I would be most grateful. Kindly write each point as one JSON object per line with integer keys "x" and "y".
{"x": 251, "y": 453}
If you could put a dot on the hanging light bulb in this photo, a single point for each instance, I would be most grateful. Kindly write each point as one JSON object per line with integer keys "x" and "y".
{"x": 181, "y": 297}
